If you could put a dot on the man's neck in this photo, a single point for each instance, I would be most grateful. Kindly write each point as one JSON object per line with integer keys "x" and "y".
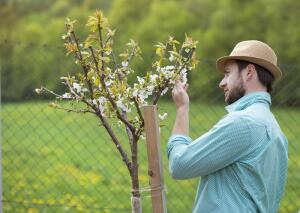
{"x": 255, "y": 89}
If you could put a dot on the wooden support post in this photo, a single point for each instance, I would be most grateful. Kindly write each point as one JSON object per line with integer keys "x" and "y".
{"x": 154, "y": 160}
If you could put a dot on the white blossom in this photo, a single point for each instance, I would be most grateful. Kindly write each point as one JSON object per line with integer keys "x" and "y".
{"x": 143, "y": 94}
{"x": 168, "y": 71}
{"x": 77, "y": 87}
{"x": 150, "y": 89}
{"x": 184, "y": 78}
{"x": 158, "y": 68}
{"x": 171, "y": 58}
{"x": 163, "y": 116}
{"x": 171, "y": 67}
{"x": 124, "y": 63}
{"x": 184, "y": 75}
{"x": 66, "y": 95}
{"x": 153, "y": 77}
{"x": 135, "y": 93}
{"x": 101, "y": 101}
{"x": 38, "y": 91}
{"x": 140, "y": 80}
{"x": 164, "y": 91}
{"x": 108, "y": 82}
{"x": 121, "y": 105}
{"x": 107, "y": 52}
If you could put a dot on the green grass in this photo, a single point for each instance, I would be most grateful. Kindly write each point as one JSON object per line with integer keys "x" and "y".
{"x": 55, "y": 161}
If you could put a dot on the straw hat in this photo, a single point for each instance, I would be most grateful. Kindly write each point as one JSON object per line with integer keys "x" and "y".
{"x": 256, "y": 52}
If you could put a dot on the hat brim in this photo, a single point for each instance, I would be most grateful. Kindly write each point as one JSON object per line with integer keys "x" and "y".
{"x": 275, "y": 70}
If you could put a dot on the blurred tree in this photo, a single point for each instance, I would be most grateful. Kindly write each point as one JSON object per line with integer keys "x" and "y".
{"x": 284, "y": 36}
{"x": 217, "y": 25}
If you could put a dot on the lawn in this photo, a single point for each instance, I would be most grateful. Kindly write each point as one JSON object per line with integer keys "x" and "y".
{"x": 53, "y": 161}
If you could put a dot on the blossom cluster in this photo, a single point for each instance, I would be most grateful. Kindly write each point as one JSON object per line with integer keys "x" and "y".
{"x": 103, "y": 85}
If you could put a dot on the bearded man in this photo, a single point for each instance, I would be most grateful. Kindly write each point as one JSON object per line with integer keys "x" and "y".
{"x": 243, "y": 159}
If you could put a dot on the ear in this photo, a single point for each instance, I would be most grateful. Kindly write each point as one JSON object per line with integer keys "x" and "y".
{"x": 250, "y": 72}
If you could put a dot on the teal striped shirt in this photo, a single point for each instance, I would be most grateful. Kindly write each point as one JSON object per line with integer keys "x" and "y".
{"x": 242, "y": 160}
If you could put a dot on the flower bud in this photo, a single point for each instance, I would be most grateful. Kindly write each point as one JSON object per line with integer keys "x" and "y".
{"x": 38, "y": 90}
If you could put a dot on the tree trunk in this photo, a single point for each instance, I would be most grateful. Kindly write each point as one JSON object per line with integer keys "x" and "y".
{"x": 136, "y": 203}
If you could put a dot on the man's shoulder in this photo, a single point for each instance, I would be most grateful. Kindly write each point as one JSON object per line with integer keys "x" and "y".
{"x": 243, "y": 119}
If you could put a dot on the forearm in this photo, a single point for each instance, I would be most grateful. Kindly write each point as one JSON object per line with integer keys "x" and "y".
{"x": 181, "y": 125}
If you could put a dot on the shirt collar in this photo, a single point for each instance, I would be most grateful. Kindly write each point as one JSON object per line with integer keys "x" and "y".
{"x": 249, "y": 99}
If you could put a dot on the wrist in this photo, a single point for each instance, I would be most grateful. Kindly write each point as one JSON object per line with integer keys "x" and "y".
{"x": 183, "y": 108}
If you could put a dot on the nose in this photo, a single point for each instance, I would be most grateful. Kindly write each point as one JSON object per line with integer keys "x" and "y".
{"x": 222, "y": 83}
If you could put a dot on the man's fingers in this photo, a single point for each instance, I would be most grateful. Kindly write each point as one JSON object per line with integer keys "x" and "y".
{"x": 186, "y": 87}
{"x": 179, "y": 84}
{"x": 174, "y": 91}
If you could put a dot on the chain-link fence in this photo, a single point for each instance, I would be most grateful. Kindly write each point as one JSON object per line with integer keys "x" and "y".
{"x": 54, "y": 161}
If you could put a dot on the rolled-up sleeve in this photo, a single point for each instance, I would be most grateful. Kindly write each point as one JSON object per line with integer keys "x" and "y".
{"x": 228, "y": 141}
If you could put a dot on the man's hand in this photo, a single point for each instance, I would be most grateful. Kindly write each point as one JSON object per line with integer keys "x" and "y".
{"x": 181, "y": 100}
{"x": 179, "y": 95}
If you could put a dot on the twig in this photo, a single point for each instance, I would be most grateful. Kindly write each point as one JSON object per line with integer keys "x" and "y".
{"x": 131, "y": 54}
{"x": 95, "y": 61}
{"x": 124, "y": 120}
{"x": 167, "y": 82}
{"x": 128, "y": 131}
{"x": 106, "y": 41}
{"x": 83, "y": 65}
{"x": 75, "y": 110}
{"x": 55, "y": 94}
{"x": 115, "y": 140}
{"x": 114, "y": 60}
{"x": 140, "y": 129}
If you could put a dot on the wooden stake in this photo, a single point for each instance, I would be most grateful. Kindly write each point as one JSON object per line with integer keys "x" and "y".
{"x": 154, "y": 160}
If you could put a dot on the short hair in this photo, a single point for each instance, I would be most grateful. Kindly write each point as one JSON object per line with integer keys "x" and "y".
{"x": 265, "y": 77}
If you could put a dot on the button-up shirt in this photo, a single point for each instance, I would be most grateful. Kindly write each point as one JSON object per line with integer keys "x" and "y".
{"x": 242, "y": 160}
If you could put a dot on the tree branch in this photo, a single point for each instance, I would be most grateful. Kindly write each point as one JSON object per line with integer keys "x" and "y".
{"x": 83, "y": 65}
{"x": 112, "y": 102}
{"x": 128, "y": 131}
{"x": 107, "y": 40}
{"x": 114, "y": 60}
{"x": 53, "y": 93}
{"x": 95, "y": 61}
{"x": 75, "y": 110}
{"x": 140, "y": 129}
{"x": 131, "y": 54}
{"x": 115, "y": 140}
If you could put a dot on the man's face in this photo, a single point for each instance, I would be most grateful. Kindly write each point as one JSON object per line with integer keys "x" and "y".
{"x": 232, "y": 83}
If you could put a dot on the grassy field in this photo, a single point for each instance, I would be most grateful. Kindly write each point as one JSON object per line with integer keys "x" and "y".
{"x": 53, "y": 161}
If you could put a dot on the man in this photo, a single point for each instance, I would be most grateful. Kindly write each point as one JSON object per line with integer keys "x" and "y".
{"x": 242, "y": 160}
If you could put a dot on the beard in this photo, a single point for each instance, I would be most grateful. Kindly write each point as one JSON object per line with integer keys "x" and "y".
{"x": 236, "y": 92}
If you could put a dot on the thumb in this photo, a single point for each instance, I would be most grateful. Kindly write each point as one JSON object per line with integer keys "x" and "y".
{"x": 186, "y": 87}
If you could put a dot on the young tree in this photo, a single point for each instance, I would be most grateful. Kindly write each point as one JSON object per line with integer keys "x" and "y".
{"x": 103, "y": 85}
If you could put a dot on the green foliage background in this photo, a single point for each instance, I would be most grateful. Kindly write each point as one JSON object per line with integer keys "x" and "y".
{"x": 217, "y": 25}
